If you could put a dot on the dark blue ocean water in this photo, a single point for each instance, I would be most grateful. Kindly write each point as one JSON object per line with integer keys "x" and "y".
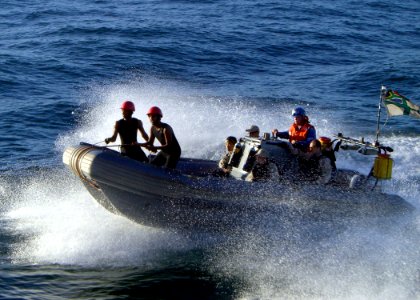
{"x": 214, "y": 67}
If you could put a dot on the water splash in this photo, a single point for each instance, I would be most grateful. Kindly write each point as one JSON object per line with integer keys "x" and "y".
{"x": 201, "y": 121}
{"x": 59, "y": 222}
{"x": 363, "y": 262}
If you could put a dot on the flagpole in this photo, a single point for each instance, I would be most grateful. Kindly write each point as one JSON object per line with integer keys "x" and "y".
{"x": 383, "y": 91}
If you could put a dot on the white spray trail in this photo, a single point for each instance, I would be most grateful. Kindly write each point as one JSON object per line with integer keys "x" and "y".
{"x": 62, "y": 224}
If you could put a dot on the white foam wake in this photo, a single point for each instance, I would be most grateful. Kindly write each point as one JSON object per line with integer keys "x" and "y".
{"x": 60, "y": 223}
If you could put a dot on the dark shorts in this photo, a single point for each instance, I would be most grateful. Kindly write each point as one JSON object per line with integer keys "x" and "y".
{"x": 167, "y": 160}
{"x": 135, "y": 153}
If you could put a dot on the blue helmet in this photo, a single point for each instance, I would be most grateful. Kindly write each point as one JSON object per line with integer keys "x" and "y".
{"x": 298, "y": 111}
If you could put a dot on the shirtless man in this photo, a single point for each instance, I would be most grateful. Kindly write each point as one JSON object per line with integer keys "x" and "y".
{"x": 127, "y": 128}
{"x": 170, "y": 151}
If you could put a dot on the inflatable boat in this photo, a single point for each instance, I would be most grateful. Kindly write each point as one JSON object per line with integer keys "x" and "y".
{"x": 193, "y": 196}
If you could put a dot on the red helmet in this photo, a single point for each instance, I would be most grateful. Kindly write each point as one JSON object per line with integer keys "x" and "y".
{"x": 154, "y": 110}
{"x": 324, "y": 140}
{"x": 128, "y": 105}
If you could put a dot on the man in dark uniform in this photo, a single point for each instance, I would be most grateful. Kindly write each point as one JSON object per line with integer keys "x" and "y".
{"x": 224, "y": 166}
{"x": 315, "y": 166}
{"x": 170, "y": 151}
{"x": 254, "y": 131}
{"x": 127, "y": 128}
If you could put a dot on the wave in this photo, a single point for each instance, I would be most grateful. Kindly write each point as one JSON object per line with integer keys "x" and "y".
{"x": 54, "y": 220}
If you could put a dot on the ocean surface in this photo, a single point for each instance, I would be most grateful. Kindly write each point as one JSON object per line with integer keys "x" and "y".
{"x": 215, "y": 68}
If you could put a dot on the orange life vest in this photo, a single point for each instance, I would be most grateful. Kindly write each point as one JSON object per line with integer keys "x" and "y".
{"x": 296, "y": 134}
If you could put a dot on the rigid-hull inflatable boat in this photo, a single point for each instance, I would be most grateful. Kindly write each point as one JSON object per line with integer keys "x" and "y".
{"x": 191, "y": 197}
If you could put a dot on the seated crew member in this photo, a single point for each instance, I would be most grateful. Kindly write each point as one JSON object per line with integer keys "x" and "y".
{"x": 259, "y": 170}
{"x": 300, "y": 133}
{"x": 328, "y": 151}
{"x": 170, "y": 151}
{"x": 314, "y": 165}
{"x": 127, "y": 128}
{"x": 262, "y": 168}
{"x": 224, "y": 165}
{"x": 253, "y": 131}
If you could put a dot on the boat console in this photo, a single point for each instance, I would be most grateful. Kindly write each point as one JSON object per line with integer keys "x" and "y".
{"x": 248, "y": 149}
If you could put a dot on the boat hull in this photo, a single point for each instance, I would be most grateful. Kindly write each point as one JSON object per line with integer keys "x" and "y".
{"x": 190, "y": 198}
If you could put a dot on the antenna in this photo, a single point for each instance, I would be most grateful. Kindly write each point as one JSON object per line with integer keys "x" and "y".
{"x": 382, "y": 95}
